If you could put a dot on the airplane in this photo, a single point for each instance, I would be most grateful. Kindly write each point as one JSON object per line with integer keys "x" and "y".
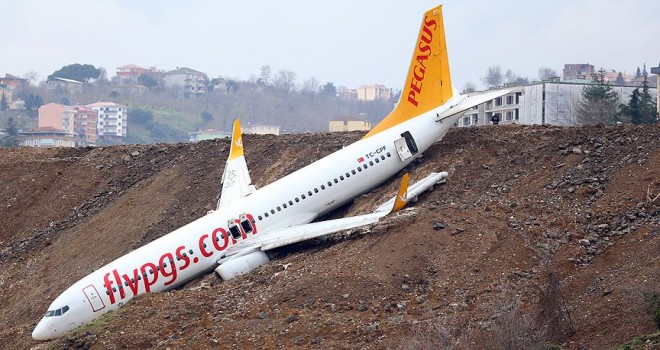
{"x": 247, "y": 223}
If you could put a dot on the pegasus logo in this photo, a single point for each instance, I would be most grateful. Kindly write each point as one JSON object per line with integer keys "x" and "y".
{"x": 422, "y": 54}
{"x": 239, "y": 142}
{"x": 404, "y": 197}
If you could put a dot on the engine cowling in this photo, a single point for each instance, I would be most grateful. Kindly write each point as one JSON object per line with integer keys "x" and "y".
{"x": 242, "y": 265}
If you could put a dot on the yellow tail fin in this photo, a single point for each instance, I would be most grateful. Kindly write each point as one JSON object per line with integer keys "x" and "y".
{"x": 428, "y": 84}
{"x": 236, "y": 149}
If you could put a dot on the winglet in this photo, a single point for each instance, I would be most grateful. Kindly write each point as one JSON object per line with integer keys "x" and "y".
{"x": 401, "y": 197}
{"x": 236, "y": 149}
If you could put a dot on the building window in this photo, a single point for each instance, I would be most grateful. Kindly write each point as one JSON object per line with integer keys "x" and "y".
{"x": 509, "y": 100}
{"x": 498, "y": 101}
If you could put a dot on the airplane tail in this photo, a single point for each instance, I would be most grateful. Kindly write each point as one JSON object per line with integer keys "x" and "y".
{"x": 428, "y": 84}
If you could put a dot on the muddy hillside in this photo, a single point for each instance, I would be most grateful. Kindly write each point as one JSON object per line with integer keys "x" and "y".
{"x": 541, "y": 235}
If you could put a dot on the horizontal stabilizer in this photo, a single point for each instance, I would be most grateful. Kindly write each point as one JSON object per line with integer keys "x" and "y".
{"x": 469, "y": 102}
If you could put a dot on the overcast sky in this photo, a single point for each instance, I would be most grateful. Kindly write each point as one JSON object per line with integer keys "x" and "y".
{"x": 348, "y": 42}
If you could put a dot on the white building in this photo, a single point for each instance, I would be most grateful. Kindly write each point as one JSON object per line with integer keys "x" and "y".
{"x": 547, "y": 102}
{"x": 112, "y": 119}
{"x": 260, "y": 129}
{"x": 373, "y": 92}
{"x": 189, "y": 81}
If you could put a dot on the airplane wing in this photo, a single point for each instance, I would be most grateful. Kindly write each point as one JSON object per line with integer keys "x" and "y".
{"x": 236, "y": 182}
{"x": 469, "y": 102}
{"x": 299, "y": 233}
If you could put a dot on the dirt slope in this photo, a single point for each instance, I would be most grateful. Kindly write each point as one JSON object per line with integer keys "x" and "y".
{"x": 541, "y": 235}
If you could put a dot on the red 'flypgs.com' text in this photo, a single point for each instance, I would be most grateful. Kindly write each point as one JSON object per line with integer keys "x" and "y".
{"x": 169, "y": 264}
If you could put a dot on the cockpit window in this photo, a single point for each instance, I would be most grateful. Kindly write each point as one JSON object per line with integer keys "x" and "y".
{"x": 58, "y": 312}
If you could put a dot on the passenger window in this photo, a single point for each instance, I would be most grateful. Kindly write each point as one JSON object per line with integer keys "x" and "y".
{"x": 316, "y": 190}
{"x": 336, "y": 181}
{"x": 290, "y": 202}
{"x": 371, "y": 163}
{"x": 309, "y": 193}
{"x": 329, "y": 183}
{"x": 126, "y": 282}
{"x": 266, "y": 214}
{"x": 272, "y": 211}
{"x": 284, "y": 205}
{"x": 348, "y": 175}
{"x": 359, "y": 169}
{"x": 365, "y": 166}
{"x": 389, "y": 154}
{"x": 189, "y": 251}
{"x": 258, "y": 217}
{"x": 323, "y": 187}
{"x": 302, "y": 196}
{"x": 341, "y": 177}
{"x": 353, "y": 171}
{"x": 297, "y": 200}
{"x": 279, "y": 208}
{"x": 382, "y": 157}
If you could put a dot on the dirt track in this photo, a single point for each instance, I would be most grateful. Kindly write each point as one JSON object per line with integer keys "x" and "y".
{"x": 522, "y": 204}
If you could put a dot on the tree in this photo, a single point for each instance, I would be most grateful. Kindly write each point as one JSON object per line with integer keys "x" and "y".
{"x": 469, "y": 87}
{"x": 329, "y": 90}
{"x": 231, "y": 85}
{"x": 310, "y": 87}
{"x": 65, "y": 101}
{"x": 12, "y": 131}
{"x": 33, "y": 102}
{"x": 264, "y": 75}
{"x": 546, "y": 73}
{"x": 644, "y": 72}
{"x": 207, "y": 117}
{"x": 147, "y": 80}
{"x": 140, "y": 116}
{"x": 77, "y": 71}
{"x": 639, "y": 73}
{"x": 599, "y": 101}
{"x": 641, "y": 109}
{"x": 285, "y": 80}
{"x": 493, "y": 76}
{"x": 3, "y": 103}
{"x": 620, "y": 80}
{"x": 30, "y": 76}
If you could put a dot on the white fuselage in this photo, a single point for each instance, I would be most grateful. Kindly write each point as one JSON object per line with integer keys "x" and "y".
{"x": 193, "y": 249}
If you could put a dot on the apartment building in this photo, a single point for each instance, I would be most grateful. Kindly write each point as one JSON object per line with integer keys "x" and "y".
{"x": 111, "y": 120}
{"x": 57, "y": 116}
{"x": 85, "y": 125}
{"x": 349, "y": 123}
{"x": 191, "y": 82}
{"x": 373, "y": 92}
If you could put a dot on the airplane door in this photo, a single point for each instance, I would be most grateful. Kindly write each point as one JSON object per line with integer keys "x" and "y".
{"x": 93, "y": 297}
{"x": 406, "y": 146}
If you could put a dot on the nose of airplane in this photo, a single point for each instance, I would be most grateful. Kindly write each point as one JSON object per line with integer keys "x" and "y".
{"x": 41, "y": 331}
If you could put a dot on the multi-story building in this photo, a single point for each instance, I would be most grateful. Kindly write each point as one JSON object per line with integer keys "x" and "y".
{"x": 111, "y": 120}
{"x": 349, "y": 123}
{"x": 46, "y": 137}
{"x": 131, "y": 72}
{"x": 656, "y": 71}
{"x": 345, "y": 93}
{"x": 57, "y": 116}
{"x": 191, "y": 82}
{"x": 13, "y": 82}
{"x": 84, "y": 125}
{"x": 578, "y": 71}
{"x": 373, "y": 92}
{"x": 506, "y": 108}
{"x": 547, "y": 102}
{"x": 69, "y": 85}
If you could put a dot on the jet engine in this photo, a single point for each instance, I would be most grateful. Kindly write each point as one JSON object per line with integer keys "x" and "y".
{"x": 241, "y": 265}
